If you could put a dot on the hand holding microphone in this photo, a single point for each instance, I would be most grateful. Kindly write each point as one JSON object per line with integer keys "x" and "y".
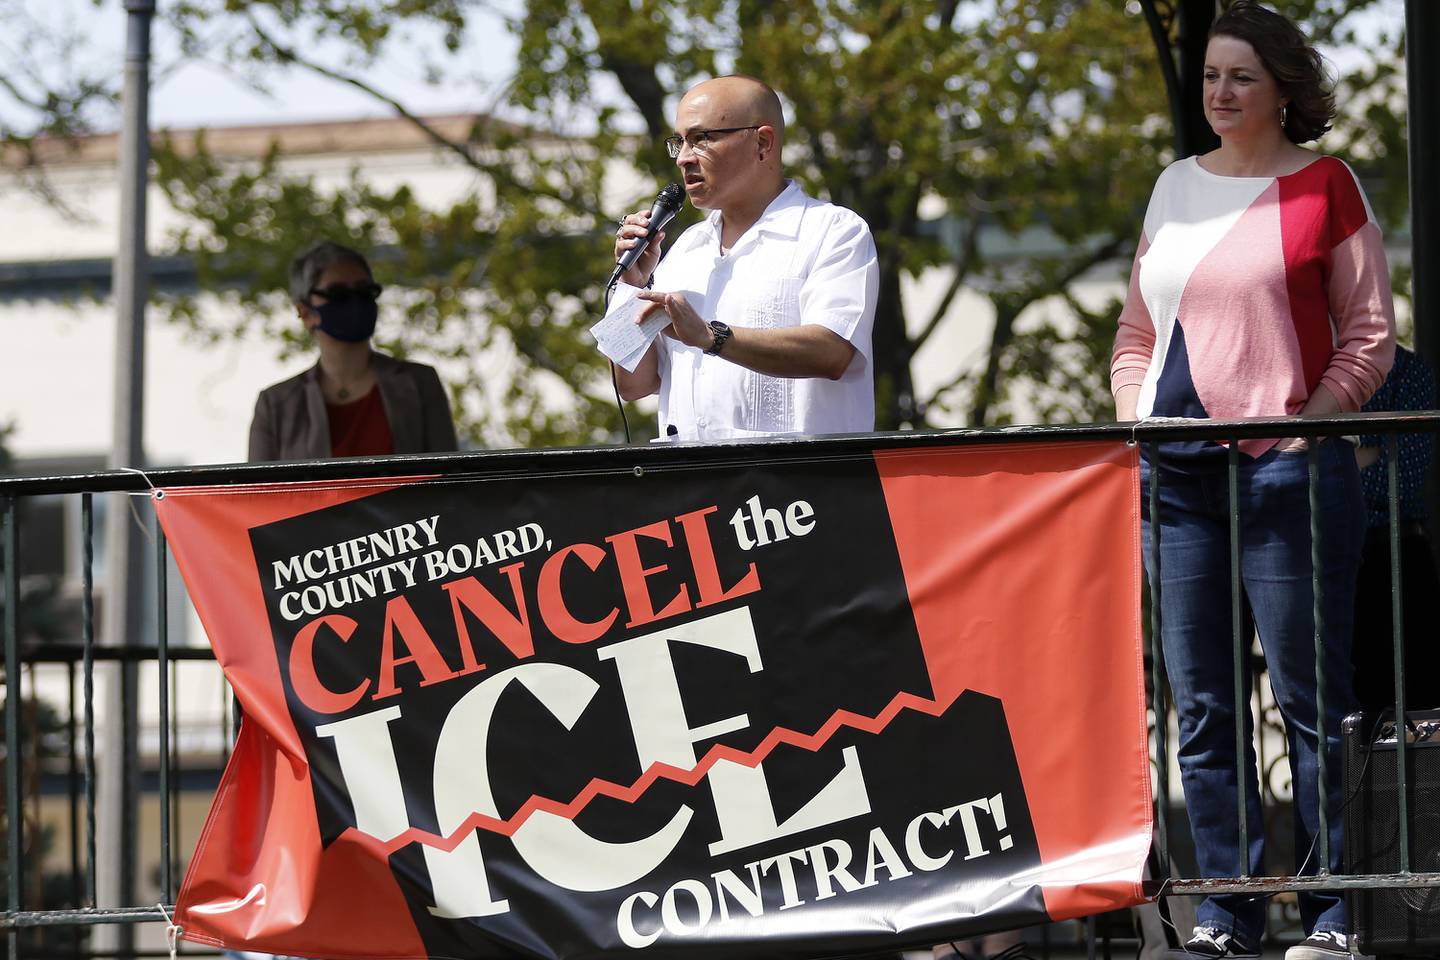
{"x": 637, "y": 249}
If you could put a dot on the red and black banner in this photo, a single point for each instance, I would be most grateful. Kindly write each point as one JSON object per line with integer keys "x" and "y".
{"x": 797, "y": 707}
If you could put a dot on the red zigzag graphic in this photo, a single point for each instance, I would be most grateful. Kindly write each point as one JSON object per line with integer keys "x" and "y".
{"x": 598, "y": 787}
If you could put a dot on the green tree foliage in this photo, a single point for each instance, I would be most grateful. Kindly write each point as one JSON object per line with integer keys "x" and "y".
{"x": 1009, "y": 144}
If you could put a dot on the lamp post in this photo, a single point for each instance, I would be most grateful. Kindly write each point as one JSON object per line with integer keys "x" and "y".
{"x": 118, "y": 786}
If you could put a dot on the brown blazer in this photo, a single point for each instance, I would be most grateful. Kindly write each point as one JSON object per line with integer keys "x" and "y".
{"x": 290, "y": 421}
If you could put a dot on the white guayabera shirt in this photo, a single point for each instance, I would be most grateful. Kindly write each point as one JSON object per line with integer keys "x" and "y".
{"x": 803, "y": 262}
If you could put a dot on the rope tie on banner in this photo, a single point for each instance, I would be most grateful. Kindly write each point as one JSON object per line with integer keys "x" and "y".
{"x": 1155, "y": 422}
{"x": 173, "y": 931}
{"x": 155, "y": 492}
{"x": 1134, "y": 427}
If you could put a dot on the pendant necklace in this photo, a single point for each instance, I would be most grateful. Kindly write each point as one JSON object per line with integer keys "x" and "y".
{"x": 342, "y": 390}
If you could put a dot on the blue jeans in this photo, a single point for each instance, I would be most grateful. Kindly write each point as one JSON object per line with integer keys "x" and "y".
{"x": 1197, "y": 637}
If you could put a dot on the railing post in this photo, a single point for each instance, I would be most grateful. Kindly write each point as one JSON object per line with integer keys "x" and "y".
{"x": 14, "y": 813}
{"x": 162, "y": 680}
{"x": 176, "y": 824}
{"x": 87, "y": 627}
{"x": 72, "y": 781}
{"x": 1238, "y": 651}
{"x": 1157, "y": 682}
{"x": 1397, "y": 637}
{"x": 1317, "y": 587}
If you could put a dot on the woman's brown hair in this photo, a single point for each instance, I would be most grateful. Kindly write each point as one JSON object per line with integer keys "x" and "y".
{"x": 1297, "y": 67}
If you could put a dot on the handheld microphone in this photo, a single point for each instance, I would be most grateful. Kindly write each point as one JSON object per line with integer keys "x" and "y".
{"x": 666, "y": 205}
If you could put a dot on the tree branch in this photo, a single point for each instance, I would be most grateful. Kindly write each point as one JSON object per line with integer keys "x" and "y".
{"x": 946, "y": 10}
{"x": 642, "y": 86}
{"x": 287, "y": 55}
{"x": 964, "y": 262}
{"x": 18, "y": 95}
{"x": 1008, "y": 309}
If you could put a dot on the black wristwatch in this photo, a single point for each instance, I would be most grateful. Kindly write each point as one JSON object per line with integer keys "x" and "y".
{"x": 721, "y": 332}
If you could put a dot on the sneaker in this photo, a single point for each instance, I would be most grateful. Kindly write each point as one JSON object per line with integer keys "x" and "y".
{"x": 1321, "y": 945}
{"x": 1207, "y": 943}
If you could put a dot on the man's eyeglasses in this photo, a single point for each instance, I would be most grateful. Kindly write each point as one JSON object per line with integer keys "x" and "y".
{"x": 699, "y": 140}
{"x": 338, "y": 294}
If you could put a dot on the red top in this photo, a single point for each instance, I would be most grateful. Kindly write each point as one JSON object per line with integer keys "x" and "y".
{"x": 360, "y": 428}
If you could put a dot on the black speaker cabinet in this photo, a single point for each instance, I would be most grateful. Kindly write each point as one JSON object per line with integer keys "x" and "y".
{"x": 1395, "y": 920}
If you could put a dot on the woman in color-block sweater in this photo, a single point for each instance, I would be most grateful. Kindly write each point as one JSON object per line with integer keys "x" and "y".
{"x": 1259, "y": 288}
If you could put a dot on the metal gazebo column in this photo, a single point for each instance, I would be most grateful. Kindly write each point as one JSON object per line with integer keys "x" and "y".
{"x": 119, "y": 784}
{"x": 1182, "y": 67}
{"x": 1422, "y": 32}
{"x": 1422, "y": 83}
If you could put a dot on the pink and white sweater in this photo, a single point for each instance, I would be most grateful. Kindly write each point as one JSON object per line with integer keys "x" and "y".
{"x": 1248, "y": 293}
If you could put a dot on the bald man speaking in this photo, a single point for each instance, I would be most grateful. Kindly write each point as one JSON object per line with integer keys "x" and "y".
{"x": 771, "y": 299}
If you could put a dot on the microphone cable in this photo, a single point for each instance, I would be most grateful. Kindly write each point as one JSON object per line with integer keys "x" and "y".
{"x": 614, "y": 380}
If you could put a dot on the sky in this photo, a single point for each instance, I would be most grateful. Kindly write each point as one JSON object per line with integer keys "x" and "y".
{"x": 191, "y": 94}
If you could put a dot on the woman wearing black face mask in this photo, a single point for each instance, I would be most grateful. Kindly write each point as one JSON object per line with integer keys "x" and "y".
{"x": 354, "y": 402}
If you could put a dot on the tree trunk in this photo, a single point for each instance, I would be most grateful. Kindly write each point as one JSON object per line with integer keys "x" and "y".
{"x": 985, "y": 390}
{"x": 891, "y": 351}
{"x": 891, "y": 354}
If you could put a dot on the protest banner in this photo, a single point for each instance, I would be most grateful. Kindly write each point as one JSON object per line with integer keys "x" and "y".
{"x": 794, "y": 706}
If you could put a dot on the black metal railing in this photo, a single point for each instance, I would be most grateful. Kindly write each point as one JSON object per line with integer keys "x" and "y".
{"x": 1390, "y": 427}
{"x": 79, "y": 765}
